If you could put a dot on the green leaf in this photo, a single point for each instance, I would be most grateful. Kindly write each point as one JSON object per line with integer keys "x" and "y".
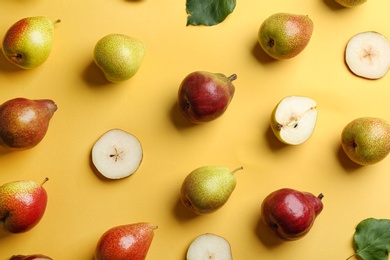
{"x": 372, "y": 239}
{"x": 208, "y": 12}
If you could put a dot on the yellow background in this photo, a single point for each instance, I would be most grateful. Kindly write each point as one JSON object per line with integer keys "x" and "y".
{"x": 82, "y": 205}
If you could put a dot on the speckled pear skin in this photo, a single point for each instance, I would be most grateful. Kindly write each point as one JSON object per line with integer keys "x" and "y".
{"x": 119, "y": 56}
{"x": 207, "y": 188}
{"x": 350, "y": 3}
{"x": 24, "y": 122}
{"x": 28, "y": 42}
{"x": 130, "y": 241}
{"x": 22, "y": 205}
{"x": 285, "y": 35}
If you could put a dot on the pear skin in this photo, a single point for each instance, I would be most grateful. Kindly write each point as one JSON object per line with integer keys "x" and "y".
{"x": 205, "y": 96}
{"x": 350, "y": 3}
{"x": 28, "y": 42}
{"x": 131, "y": 241}
{"x": 207, "y": 188}
{"x": 119, "y": 56}
{"x": 366, "y": 140}
{"x": 24, "y": 122}
{"x": 22, "y": 205}
{"x": 31, "y": 257}
{"x": 285, "y": 35}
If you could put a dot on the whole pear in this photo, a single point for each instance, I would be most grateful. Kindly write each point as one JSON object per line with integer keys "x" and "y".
{"x": 28, "y": 42}
{"x": 125, "y": 242}
{"x": 119, "y": 56}
{"x": 204, "y": 96}
{"x": 208, "y": 188}
{"x": 366, "y": 140}
{"x": 22, "y": 205}
{"x": 350, "y": 3}
{"x": 290, "y": 213}
{"x": 30, "y": 257}
{"x": 285, "y": 35}
{"x": 24, "y": 122}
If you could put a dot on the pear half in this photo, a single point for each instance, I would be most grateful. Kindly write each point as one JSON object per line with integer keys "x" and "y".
{"x": 368, "y": 55}
{"x": 294, "y": 118}
{"x": 117, "y": 154}
{"x": 209, "y": 246}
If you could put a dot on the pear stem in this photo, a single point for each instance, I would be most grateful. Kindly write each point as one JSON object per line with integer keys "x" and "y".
{"x": 237, "y": 169}
{"x": 320, "y": 196}
{"x": 232, "y": 77}
{"x": 45, "y": 180}
{"x": 155, "y": 227}
{"x": 57, "y": 21}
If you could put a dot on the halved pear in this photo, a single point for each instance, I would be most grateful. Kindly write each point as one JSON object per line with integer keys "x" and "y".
{"x": 294, "y": 118}
{"x": 209, "y": 246}
{"x": 368, "y": 55}
{"x": 117, "y": 154}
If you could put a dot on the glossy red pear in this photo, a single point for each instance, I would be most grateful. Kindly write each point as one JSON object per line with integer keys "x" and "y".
{"x": 205, "y": 96}
{"x": 22, "y": 205}
{"x": 289, "y": 213}
{"x": 125, "y": 242}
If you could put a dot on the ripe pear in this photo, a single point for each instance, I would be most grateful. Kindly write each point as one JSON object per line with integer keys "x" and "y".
{"x": 30, "y": 257}
{"x": 24, "y": 122}
{"x": 204, "y": 96}
{"x": 366, "y": 140}
{"x": 350, "y": 3}
{"x": 131, "y": 241}
{"x": 22, "y": 205}
{"x": 285, "y": 35}
{"x": 290, "y": 213}
{"x": 28, "y": 42}
{"x": 119, "y": 56}
{"x": 208, "y": 188}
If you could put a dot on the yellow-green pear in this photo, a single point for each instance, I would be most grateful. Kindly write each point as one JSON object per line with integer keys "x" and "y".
{"x": 28, "y": 42}
{"x": 350, "y": 3}
{"x": 285, "y": 35}
{"x": 366, "y": 140}
{"x": 208, "y": 188}
{"x": 119, "y": 56}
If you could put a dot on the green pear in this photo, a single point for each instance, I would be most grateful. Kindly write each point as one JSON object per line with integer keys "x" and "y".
{"x": 366, "y": 140}
{"x": 350, "y": 3}
{"x": 208, "y": 188}
{"x": 284, "y": 35}
{"x": 119, "y": 56}
{"x": 28, "y": 43}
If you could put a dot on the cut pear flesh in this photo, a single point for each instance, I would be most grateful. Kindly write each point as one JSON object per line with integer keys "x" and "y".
{"x": 368, "y": 55}
{"x": 209, "y": 247}
{"x": 293, "y": 119}
{"x": 117, "y": 154}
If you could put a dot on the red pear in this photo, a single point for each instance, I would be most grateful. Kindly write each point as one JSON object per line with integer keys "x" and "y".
{"x": 22, "y": 205}
{"x": 290, "y": 213}
{"x": 30, "y": 257}
{"x": 24, "y": 122}
{"x": 125, "y": 242}
{"x": 205, "y": 96}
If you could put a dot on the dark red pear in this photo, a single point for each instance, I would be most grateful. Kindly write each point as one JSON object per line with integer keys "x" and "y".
{"x": 290, "y": 213}
{"x": 30, "y": 257}
{"x": 205, "y": 96}
{"x": 24, "y": 122}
